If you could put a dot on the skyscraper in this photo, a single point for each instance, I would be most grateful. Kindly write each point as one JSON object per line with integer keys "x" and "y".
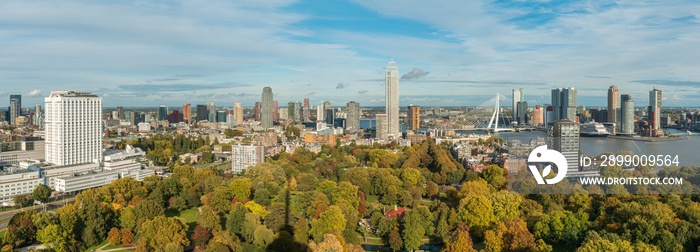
{"x": 37, "y": 115}
{"x": 163, "y": 113}
{"x": 613, "y": 103}
{"x": 518, "y": 96}
{"x": 275, "y": 111}
{"x": 327, "y": 105}
{"x": 266, "y": 108}
{"x": 202, "y": 113}
{"x": 238, "y": 112}
{"x": 120, "y": 113}
{"x": 392, "y": 99}
{"x": 306, "y": 112}
{"x": 291, "y": 112}
{"x": 654, "y": 111}
{"x": 566, "y": 140}
{"x": 73, "y": 128}
{"x": 256, "y": 111}
{"x": 298, "y": 110}
{"x": 537, "y": 115}
{"x": 15, "y": 108}
{"x": 187, "y": 113}
{"x": 211, "y": 108}
{"x": 320, "y": 116}
{"x": 352, "y": 123}
{"x": 564, "y": 103}
{"x": 522, "y": 113}
{"x": 382, "y": 127}
{"x": 626, "y": 116}
{"x": 413, "y": 116}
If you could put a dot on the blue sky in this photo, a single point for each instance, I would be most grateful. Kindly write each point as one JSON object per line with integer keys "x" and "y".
{"x": 453, "y": 53}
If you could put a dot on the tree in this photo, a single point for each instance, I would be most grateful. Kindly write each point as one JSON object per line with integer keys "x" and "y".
{"x": 201, "y": 236}
{"x": 432, "y": 190}
{"x": 54, "y": 237}
{"x": 476, "y": 212}
{"x": 127, "y": 236}
{"x": 20, "y": 230}
{"x": 460, "y": 240}
{"x": 160, "y": 231}
{"x": 241, "y": 188}
{"x": 413, "y": 230}
{"x": 256, "y": 209}
{"x": 147, "y": 209}
{"x": 234, "y": 220}
{"x": 221, "y": 200}
{"x": 395, "y": 241}
{"x": 21, "y": 200}
{"x": 41, "y": 193}
{"x": 224, "y": 239}
{"x": 301, "y": 231}
{"x": 263, "y": 236}
{"x": 331, "y": 220}
{"x": 114, "y": 236}
{"x": 208, "y": 218}
{"x": 331, "y": 242}
{"x": 251, "y": 222}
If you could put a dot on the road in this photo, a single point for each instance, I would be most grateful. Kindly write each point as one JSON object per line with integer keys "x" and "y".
{"x": 49, "y": 206}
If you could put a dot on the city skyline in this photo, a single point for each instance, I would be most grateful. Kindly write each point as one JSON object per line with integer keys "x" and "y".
{"x": 539, "y": 46}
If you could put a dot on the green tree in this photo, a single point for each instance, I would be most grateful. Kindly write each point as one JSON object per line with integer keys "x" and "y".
{"x": 251, "y": 222}
{"x": 209, "y": 219}
{"x": 114, "y": 236}
{"x": 235, "y": 219}
{"x": 395, "y": 241}
{"x": 41, "y": 193}
{"x": 241, "y": 188}
{"x": 413, "y": 230}
{"x": 221, "y": 200}
{"x": 477, "y": 212}
{"x": 155, "y": 234}
{"x": 54, "y": 237}
{"x": 301, "y": 231}
{"x": 201, "y": 236}
{"x": 263, "y": 236}
{"x": 331, "y": 220}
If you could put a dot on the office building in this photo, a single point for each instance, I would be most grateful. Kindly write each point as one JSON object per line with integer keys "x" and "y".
{"x": 238, "y": 113}
{"x": 413, "y": 117}
{"x": 352, "y": 121}
{"x": 73, "y": 128}
{"x": 392, "y": 99}
{"x": 128, "y": 159}
{"x": 187, "y": 113}
{"x": 565, "y": 139}
{"x": 82, "y": 181}
{"x": 382, "y": 127}
{"x": 654, "y": 112}
{"x": 11, "y": 153}
{"x": 15, "y": 108}
{"x": 120, "y": 113}
{"x": 256, "y": 111}
{"x": 330, "y": 117}
{"x": 221, "y": 116}
{"x": 291, "y": 112}
{"x": 307, "y": 110}
{"x": 275, "y": 111}
{"x": 211, "y": 109}
{"x": 162, "y": 113}
{"x": 518, "y": 96}
{"x": 38, "y": 116}
{"x": 327, "y": 105}
{"x": 613, "y": 103}
{"x": 522, "y": 113}
{"x": 244, "y": 156}
{"x": 320, "y": 116}
{"x": 202, "y": 113}
{"x": 626, "y": 116}
{"x": 266, "y": 108}
{"x": 175, "y": 117}
{"x": 538, "y": 116}
{"x": 564, "y": 102}
{"x": 19, "y": 183}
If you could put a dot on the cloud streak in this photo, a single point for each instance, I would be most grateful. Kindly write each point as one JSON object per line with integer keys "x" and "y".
{"x": 414, "y": 74}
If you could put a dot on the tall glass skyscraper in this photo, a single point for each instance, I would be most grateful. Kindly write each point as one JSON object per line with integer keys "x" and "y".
{"x": 15, "y": 108}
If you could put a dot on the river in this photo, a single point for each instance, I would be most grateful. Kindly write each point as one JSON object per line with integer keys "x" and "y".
{"x": 688, "y": 150}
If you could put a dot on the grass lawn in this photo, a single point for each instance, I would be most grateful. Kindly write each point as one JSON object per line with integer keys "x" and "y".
{"x": 190, "y": 216}
{"x": 110, "y": 246}
{"x": 372, "y": 198}
{"x": 96, "y": 246}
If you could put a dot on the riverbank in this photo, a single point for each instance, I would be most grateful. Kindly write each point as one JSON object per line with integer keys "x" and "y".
{"x": 650, "y": 139}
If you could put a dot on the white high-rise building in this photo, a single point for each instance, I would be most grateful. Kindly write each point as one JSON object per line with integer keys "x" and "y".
{"x": 73, "y": 125}
{"x": 238, "y": 113}
{"x": 518, "y": 96}
{"x": 244, "y": 156}
{"x": 392, "y": 100}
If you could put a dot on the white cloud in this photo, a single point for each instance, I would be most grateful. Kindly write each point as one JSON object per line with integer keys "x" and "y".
{"x": 34, "y": 93}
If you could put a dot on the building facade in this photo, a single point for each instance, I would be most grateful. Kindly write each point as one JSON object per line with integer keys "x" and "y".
{"x": 187, "y": 113}
{"x": 392, "y": 99}
{"x": 266, "y": 108}
{"x": 352, "y": 121}
{"x": 613, "y": 103}
{"x": 244, "y": 156}
{"x": 518, "y": 96}
{"x": 382, "y": 127}
{"x": 413, "y": 117}
{"x": 654, "y": 111}
{"x": 238, "y": 113}
{"x": 73, "y": 128}
{"x": 626, "y": 120}
{"x": 565, "y": 139}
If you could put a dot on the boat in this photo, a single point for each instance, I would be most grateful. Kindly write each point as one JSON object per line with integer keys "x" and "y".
{"x": 594, "y": 129}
